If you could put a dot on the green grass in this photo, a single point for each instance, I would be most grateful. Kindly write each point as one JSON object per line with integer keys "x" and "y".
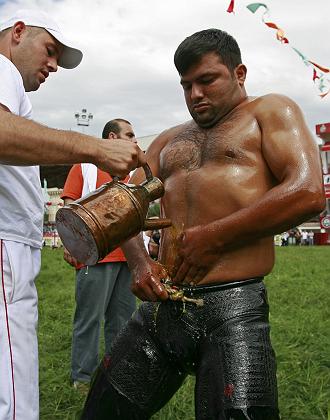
{"x": 298, "y": 292}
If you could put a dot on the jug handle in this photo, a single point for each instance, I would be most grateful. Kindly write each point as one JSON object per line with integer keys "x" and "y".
{"x": 147, "y": 172}
{"x": 152, "y": 224}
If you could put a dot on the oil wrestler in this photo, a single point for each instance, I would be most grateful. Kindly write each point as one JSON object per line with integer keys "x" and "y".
{"x": 243, "y": 169}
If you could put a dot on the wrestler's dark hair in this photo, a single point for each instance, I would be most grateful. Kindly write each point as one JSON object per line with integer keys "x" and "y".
{"x": 193, "y": 48}
{"x": 113, "y": 126}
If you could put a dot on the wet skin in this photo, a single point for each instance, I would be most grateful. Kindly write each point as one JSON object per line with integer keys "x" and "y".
{"x": 241, "y": 171}
{"x": 205, "y": 180}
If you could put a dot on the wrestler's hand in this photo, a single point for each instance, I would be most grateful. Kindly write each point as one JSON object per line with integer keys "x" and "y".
{"x": 69, "y": 258}
{"x": 196, "y": 255}
{"x": 146, "y": 284}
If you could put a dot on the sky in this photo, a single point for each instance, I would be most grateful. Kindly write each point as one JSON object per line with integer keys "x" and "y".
{"x": 128, "y": 45}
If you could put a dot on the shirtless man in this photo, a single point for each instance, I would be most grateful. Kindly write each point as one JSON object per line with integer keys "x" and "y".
{"x": 242, "y": 170}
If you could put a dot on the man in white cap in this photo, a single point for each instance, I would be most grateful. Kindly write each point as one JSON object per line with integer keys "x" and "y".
{"x": 31, "y": 47}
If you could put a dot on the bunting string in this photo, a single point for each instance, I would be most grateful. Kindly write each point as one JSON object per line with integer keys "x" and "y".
{"x": 320, "y": 79}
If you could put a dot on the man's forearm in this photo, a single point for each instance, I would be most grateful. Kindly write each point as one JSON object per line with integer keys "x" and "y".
{"x": 24, "y": 142}
{"x": 135, "y": 251}
{"x": 278, "y": 210}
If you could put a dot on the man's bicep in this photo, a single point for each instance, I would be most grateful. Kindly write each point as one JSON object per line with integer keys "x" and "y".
{"x": 287, "y": 144}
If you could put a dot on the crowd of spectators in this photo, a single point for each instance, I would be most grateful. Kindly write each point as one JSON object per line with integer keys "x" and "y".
{"x": 297, "y": 237}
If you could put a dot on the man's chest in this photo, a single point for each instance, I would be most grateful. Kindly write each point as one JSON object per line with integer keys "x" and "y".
{"x": 226, "y": 144}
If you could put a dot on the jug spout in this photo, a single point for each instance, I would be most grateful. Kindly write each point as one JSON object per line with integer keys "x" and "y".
{"x": 155, "y": 224}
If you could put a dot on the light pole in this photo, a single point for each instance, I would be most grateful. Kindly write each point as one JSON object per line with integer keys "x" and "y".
{"x": 83, "y": 118}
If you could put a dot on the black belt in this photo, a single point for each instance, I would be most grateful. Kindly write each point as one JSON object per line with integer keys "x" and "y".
{"x": 214, "y": 287}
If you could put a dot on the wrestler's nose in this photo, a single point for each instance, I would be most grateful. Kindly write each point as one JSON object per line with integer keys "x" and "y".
{"x": 196, "y": 92}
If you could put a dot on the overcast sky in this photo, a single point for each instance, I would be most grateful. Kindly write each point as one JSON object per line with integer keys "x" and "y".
{"x": 128, "y": 45}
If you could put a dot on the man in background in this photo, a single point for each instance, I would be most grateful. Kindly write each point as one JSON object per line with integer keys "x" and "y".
{"x": 102, "y": 290}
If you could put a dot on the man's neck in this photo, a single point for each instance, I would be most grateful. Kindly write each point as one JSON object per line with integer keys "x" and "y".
{"x": 4, "y": 47}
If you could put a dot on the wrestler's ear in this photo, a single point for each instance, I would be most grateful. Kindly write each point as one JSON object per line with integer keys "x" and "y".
{"x": 240, "y": 73}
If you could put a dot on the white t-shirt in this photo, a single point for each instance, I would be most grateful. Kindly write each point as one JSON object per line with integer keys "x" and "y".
{"x": 304, "y": 235}
{"x": 21, "y": 201}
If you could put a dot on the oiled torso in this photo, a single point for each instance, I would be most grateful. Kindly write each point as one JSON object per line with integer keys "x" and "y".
{"x": 208, "y": 175}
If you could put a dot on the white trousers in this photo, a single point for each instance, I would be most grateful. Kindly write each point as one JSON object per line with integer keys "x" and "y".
{"x": 19, "y": 382}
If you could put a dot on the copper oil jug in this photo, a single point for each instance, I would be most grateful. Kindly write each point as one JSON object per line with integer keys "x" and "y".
{"x": 102, "y": 220}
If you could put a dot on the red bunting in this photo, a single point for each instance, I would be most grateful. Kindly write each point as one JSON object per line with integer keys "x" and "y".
{"x": 322, "y": 82}
{"x": 324, "y": 69}
{"x": 279, "y": 32}
{"x": 231, "y": 6}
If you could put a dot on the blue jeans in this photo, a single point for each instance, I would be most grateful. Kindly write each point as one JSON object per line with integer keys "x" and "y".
{"x": 102, "y": 293}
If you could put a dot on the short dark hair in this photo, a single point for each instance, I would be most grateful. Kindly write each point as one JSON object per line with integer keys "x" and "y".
{"x": 193, "y": 48}
{"x": 113, "y": 126}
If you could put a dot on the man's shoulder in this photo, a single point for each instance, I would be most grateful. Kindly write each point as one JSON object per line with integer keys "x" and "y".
{"x": 164, "y": 138}
{"x": 74, "y": 172}
{"x": 272, "y": 106}
{"x": 5, "y": 63}
{"x": 172, "y": 132}
{"x": 10, "y": 70}
{"x": 12, "y": 92}
{"x": 76, "y": 167}
{"x": 271, "y": 101}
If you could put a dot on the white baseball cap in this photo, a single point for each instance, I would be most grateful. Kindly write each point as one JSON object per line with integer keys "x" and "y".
{"x": 70, "y": 57}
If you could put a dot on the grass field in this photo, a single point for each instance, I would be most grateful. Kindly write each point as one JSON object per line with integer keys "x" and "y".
{"x": 298, "y": 292}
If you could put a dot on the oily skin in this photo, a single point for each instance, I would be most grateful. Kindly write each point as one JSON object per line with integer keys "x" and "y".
{"x": 244, "y": 169}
